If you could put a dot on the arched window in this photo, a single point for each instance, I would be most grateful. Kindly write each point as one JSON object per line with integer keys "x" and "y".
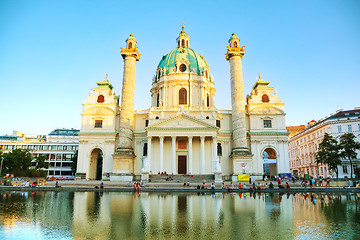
{"x": 183, "y": 43}
{"x": 158, "y": 100}
{"x": 182, "y": 67}
{"x": 130, "y": 45}
{"x": 207, "y": 100}
{"x": 182, "y": 96}
{"x": 235, "y": 44}
{"x": 187, "y": 44}
{"x": 265, "y": 98}
{"x": 100, "y": 99}
{"x": 206, "y": 74}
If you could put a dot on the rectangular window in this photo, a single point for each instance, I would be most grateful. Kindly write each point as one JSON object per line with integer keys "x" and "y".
{"x": 219, "y": 149}
{"x": 145, "y": 149}
{"x": 267, "y": 123}
{"x": 354, "y": 168}
{"x": 345, "y": 170}
{"x": 66, "y": 173}
{"x": 53, "y": 147}
{"x": 64, "y": 147}
{"x": 146, "y": 123}
{"x": 359, "y": 126}
{"x": 339, "y": 129}
{"x": 349, "y": 128}
{"x": 41, "y": 147}
{"x": 36, "y": 147}
{"x": 218, "y": 123}
{"x": 98, "y": 124}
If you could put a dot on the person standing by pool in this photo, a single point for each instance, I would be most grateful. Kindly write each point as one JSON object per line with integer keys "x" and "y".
{"x": 328, "y": 182}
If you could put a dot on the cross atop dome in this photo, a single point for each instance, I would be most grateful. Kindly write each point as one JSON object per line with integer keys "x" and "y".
{"x": 183, "y": 41}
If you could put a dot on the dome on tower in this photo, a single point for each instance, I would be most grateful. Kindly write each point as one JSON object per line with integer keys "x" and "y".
{"x": 182, "y": 59}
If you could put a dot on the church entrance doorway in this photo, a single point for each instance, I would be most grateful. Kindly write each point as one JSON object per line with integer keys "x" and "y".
{"x": 181, "y": 164}
{"x": 96, "y": 164}
{"x": 269, "y": 163}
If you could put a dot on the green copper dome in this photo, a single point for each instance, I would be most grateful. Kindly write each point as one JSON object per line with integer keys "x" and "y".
{"x": 196, "y": 61}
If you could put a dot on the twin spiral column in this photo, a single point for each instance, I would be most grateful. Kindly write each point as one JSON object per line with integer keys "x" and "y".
{"x": 242, "y": 159}
{"x": 124, "y": 155}
{"x": 234, "y": 55}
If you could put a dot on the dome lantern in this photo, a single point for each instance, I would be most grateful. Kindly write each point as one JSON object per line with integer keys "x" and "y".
{"x": 183, "y": 41}
{"x": 234, "y": 41}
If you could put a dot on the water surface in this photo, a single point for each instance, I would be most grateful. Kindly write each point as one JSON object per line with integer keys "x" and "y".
{"x": 114, "y": 215}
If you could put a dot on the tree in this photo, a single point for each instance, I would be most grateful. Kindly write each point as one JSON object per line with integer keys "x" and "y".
{"x": 40, "y": 162}
{"x": 348, "y": 147}
{"x": 329, "y": 154}
{"x": 74, "y": 162}
{"x": 17, "y": 162}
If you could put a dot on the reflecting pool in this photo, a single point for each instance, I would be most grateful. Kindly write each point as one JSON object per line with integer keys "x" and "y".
{"x": 114, "y": 215}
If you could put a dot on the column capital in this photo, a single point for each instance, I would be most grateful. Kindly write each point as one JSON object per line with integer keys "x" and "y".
{"x": 161, "y": 137}
{"x": 149, "y": 137}
{"x": 190, "y": 137}
{"x": 202, "y": 137}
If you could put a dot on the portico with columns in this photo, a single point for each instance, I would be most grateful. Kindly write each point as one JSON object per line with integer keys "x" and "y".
{"x": 181, "y": 145}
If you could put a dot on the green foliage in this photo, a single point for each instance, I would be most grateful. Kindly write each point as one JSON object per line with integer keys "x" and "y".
{"x": 74, "y": 162}
{"x": 17, "y": 162}
{"x": 328, "y": 153}
{"x": 348, "y": 147}
{"x": 357, "y": 173}
{"x": 36, "y": 173}
{"x": 40, "y": 162}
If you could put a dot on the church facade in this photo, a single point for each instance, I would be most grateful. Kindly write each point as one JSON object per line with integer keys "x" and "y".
{"x": 182, "y": 132}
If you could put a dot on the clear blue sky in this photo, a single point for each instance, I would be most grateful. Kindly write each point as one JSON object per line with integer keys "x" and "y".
{"x": 53, "y": 52}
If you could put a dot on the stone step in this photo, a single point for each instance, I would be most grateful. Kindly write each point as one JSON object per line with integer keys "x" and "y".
{"x": 181, "y": 178}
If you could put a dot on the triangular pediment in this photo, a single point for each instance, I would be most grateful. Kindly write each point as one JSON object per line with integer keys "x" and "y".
{"x": 182, "y": 121}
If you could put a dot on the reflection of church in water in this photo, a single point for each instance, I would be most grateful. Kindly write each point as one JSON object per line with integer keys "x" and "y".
{"x": 182, "y": 131}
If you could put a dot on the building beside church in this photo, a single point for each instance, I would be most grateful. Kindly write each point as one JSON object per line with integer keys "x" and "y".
{"x": 182, "y": 131}
{"x": 58, "y": 147}
{"x": 304, "y": 145}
